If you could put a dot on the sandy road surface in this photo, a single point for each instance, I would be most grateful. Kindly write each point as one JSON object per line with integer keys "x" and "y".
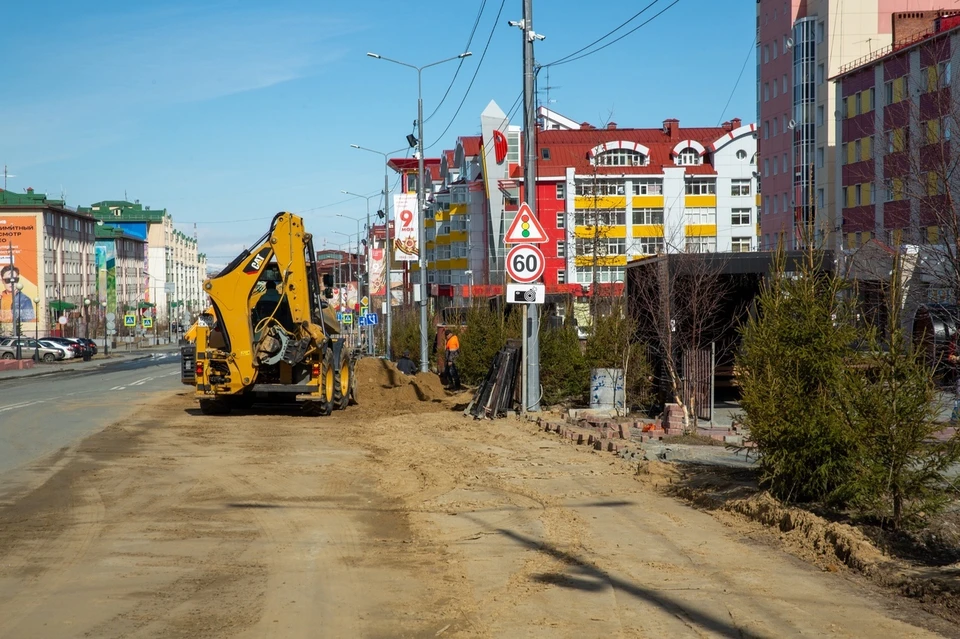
{"x": 394, "y": 519}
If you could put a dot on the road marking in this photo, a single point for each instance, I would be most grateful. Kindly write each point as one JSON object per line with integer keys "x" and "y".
{"x": 141, "y": 382}
{"x": 21, "y": 405}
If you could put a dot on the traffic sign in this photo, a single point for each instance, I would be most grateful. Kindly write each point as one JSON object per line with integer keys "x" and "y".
{"x": 364, "y": 301}
{"x": 130, "y": 320}
{"x": 525, "y": 228}
{"x": 368, "y": 319}
{"x": 526, "y": 293}
{"x": 148, "y": 322}
{"x": 525, "y": 263}
{"x": 347, "y": 318}
{"x": 111, "y": 316}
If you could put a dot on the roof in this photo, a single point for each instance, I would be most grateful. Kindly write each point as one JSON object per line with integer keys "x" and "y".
{"x": 572, "y": 148}
{"x": 129, "y": 211}
{"x": 411, "y": 164}
{"x": 30, "y": 199}
{"x": 107, "y": 232}
{"x": 471, "y": 145}
{"x": 947, "y": 23}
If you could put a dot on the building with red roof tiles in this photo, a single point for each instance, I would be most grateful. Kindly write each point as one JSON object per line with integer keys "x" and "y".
{"x": 607, "y": 195}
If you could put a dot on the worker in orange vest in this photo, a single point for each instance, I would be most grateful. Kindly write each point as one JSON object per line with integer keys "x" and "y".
{"x": 452, "y": 352}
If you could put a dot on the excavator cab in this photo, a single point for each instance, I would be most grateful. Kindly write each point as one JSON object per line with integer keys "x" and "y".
{"x": 280, "y": 340}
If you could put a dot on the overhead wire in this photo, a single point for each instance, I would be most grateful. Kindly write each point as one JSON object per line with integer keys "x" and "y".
{"x": 568, "y": 59}
{"x": 473, "y": 79}
{"x": 608, "y": 34}
{"x": 753, "y": 46}
{"x": 473, "y": 32}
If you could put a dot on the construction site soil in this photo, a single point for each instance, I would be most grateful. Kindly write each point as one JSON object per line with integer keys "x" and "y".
{"x": 399, "y": 517}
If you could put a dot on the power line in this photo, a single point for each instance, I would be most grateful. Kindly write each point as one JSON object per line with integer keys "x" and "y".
{"x": 606, "y": 35}
{"x": 631, "y": 31}
{"x": 735, "y": 84}
{"x": 476, "y": 22}
{"x": 476, "y": 71}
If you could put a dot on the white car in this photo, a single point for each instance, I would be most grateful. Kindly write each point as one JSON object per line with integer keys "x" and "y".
{"x": 67, "y": 352}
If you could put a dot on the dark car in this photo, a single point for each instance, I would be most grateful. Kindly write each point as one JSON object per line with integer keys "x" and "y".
{"x": 75, "y": 346}
{"x": 92, "y": 345}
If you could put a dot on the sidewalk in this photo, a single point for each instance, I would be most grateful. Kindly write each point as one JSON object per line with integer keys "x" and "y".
{"x": 77, "y": 364}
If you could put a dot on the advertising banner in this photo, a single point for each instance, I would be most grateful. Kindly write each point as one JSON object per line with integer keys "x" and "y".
{"x": 378, "y": 272}
{"x": 18, "y": 271}
{"x": 406, "y": 227}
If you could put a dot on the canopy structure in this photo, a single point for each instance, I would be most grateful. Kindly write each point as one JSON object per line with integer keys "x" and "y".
{"x": 60, "y": 305}
{"x": 145, "y": 305}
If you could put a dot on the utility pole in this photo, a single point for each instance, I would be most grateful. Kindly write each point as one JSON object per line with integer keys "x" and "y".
{"x": 531, "y": 386}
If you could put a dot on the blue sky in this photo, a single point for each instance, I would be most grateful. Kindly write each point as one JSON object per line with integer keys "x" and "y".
{"x": 225, "y": 113}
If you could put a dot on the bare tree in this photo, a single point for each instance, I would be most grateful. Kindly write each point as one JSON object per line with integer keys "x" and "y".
{"x": 678, "y": 302}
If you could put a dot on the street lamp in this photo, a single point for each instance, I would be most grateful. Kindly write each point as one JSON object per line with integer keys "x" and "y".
{"x": 103, "y": 305}
{"x": 388, "y": 243}
{"x": 421, "y": 203}
{"x": 19, "y": 316}
{"x": 86, "y": 318}
{"x": 469, "y": 274}
{"x": 369, "y": 290}
{"x": 36, "y": 328}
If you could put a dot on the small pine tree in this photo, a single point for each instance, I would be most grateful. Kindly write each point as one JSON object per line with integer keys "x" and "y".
{"x": 791, "y": 361}
{"x": 563, "y": 371}
{"x": 890, "y": 402}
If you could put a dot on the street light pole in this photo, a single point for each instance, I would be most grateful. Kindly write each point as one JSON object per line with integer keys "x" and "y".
{"x": 388, "y": 243}
{"x": 367, "y": 247}
{"x": 103, "y": 305}
{"x": 421, "y": 199}
{"x": 17, "y": 316}
{"x": 36, "y": 328}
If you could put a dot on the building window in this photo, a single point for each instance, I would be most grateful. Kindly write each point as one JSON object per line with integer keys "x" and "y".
{"x": 688, "y": 157}
{"x": 776, "y": 45}
{"x": 820, "y": 157}
{"x": 766, "y": 53}
{"x": 820, "y": 195}
{"x": 766, "y": 167}
{"x": 820, "y": 32}
{"x": 561, "y": 220}
{"x": 741, "y": 154}
{"x": 740, "y": 217}
{"x": 774, "y": 88}
{"x": 649, "y": 245}
{"x": 701, "y": 245}
{"x": 783, "y": 84}
{"x": 740, "y": 245}
{"x": 774, "y": 127}
{"x": 561, "y": 248}
{"x": 621, "y": 157}
{"x": 647, "y": 216}
{"x": 739, "y": 187}
{"x": 766, "y": 91}
{"x": 821, "y": 72}
{"x": 702, "y": 186}
{"x": 858, "y": 105}
{"x": 648, "y": 186}
{"x": 562, "y": 276}
{"x": 701, "y": 215}
{"x": 766, "y": 130}
{"x": 561, "y": 190}
{"x": 820, "y": 112}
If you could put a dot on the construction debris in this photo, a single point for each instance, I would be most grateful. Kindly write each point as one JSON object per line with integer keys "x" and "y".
{"x": 500, "y": 391}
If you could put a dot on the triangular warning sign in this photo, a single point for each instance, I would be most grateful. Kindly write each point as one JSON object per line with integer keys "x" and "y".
{"x": 525, "y": 228}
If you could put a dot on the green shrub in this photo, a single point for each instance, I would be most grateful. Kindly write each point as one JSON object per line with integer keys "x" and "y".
{"x": 405, "y": 331}
{"x": 790, "y": 367}
{"x": 564, "y": 374}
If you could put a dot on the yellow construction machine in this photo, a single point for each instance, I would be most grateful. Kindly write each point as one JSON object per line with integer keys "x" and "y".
{"x": 270, "y": 335}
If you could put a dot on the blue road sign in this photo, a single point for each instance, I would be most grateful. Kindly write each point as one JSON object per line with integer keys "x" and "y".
{"x": 372, "y": 319}
{"x": 339, "y": 316}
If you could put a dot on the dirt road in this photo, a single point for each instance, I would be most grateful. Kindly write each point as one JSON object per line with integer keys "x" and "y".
{"x": 393, "y": 519}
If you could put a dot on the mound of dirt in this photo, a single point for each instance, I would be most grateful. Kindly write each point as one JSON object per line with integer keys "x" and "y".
{"x": 383, "y": 389}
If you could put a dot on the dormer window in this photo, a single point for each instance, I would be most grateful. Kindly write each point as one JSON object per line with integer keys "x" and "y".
{"x": 688, "y": 157}
{"x": 620, "y": 157}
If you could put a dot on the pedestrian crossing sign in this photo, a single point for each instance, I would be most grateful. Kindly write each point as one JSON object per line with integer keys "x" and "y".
{"x": 148, "y": 322}
{"x": 130, "y": 320}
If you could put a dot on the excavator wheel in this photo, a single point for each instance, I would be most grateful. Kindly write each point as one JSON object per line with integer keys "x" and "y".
{"x": 214, "y": 407}
{"x": 343, "y": 372}
{"x": 328, "y": 382}
{"x": 348, "y": 381}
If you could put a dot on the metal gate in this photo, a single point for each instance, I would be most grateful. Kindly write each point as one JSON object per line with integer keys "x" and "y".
{"x": 698, "y": 371}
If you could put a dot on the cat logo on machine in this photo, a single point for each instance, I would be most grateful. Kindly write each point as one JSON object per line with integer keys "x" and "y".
{"x": 254, "y": 266}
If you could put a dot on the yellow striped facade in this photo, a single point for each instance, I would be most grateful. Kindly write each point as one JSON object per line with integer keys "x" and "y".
{"x": 701, "y": 230}
{"x": 607, "y": 260}
{"x": 648, "y": 230}
{"x": 589, "y": 202}
{"x": 604, "y": 231}
{"x": 458, "y": 209}
{"x": 648, "y": 201}
{"x": 696, "y": 201}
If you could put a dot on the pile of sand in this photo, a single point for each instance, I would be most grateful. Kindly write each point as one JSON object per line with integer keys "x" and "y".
{"x": 382, "y": 388}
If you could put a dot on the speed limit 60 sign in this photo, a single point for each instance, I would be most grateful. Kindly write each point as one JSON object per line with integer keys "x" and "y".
{"x": 525, "y": 263}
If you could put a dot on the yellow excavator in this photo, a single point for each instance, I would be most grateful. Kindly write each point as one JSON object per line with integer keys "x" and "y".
{"x": 269, "y": 335}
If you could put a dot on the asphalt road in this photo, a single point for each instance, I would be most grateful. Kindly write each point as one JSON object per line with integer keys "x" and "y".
{"x": 41, "y": 415}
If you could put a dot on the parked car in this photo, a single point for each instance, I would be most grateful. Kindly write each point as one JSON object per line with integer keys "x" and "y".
{"x": 91, "y": 343}
{"x": 29, "y": 348}
{"x": 68, "y": 352}
{"x": 75, "y": 347}
{"x": 83, "y": 349}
